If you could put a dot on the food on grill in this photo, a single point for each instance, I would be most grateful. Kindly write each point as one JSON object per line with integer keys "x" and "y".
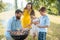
{"x": 19, "y": 35}
{"x": 19, "y": 32}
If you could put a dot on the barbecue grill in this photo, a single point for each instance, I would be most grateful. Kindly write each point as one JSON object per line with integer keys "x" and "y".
{"x": 20, "y": 36}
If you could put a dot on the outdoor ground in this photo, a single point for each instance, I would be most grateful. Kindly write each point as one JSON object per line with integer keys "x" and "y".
{"x": 53, "y": 30}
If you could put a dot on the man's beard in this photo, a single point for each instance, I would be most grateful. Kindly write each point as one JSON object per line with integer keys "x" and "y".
{"x": 17, "y": 17}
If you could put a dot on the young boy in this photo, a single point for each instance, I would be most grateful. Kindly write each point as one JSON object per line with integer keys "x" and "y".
{"x": 43, "y": 24}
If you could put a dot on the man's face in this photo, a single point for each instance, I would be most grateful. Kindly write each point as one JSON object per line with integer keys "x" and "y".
{"x": 18, "y": 15}
{"x": 42, "y": 13}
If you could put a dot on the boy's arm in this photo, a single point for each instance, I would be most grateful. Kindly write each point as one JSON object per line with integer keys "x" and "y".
{"x": 43, "y": 26}
{"x": 47, "y": 23}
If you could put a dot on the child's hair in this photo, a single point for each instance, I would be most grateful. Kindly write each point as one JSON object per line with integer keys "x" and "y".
{"x": 42, "y": 9}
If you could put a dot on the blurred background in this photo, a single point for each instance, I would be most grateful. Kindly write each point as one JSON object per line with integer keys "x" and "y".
{"x": 7, "y": 8}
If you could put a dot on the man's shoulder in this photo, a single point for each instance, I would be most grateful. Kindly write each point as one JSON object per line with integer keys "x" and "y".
{"x": 12, "y": 18}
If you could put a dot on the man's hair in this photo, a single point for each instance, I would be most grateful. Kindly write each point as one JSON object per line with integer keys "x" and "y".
{"x": 17, "y": 11}
{"x": 42, "y": 9}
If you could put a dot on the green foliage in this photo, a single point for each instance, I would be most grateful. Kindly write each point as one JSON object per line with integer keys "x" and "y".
{"x": 36, "y": 4}
{"x": 53, "y": 5}
{"x": 58, "y": 6}
{"x": 54, "y": 11}
{"x": 16, "y": 4}
{"x": 2, "y": 6}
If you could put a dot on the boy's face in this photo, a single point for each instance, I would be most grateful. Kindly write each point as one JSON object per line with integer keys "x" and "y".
{"x": 42, "y": 13}
{"x": 18, "y": 15}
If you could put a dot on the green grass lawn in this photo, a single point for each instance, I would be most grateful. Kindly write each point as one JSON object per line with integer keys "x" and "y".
{"x": 53, "y": 32}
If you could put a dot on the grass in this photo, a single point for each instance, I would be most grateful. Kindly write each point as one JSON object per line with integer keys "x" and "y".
{"x": 53, "y": 32}
{"x": 1, "y": 31}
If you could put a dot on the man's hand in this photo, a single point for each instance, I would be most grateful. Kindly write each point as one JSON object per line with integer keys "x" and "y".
{"x": 12, "y": 32}
{"x": 9, "y": 31}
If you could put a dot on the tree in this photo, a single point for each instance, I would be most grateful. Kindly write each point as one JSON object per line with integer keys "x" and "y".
{"x": 1, "y": 0}
{"x": 16, "y": 4}
{"x": 35, "y": 3}
{"x": 51, "y": 5}
{"x": 58, "y": 6}
{"x": 2, "y": 6}
{"x": 39, "y": 3}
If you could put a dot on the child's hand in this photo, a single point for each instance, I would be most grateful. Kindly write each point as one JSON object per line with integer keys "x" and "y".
{"x": 36, "y": 23}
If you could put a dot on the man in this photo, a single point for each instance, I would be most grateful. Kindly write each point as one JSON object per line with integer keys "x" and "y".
{"x": 43, "y": 24}
{"x": 13, "y": 24}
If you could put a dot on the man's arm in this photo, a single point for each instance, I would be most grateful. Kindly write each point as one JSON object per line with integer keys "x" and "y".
{"x": 9, "y": 25}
